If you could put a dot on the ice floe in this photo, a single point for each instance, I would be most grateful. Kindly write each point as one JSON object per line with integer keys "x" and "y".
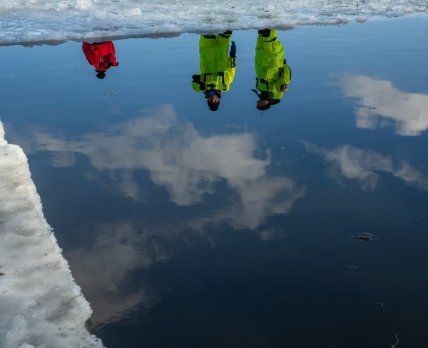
{"x": 40, "y": 304}
{"x": 25, "y": 21}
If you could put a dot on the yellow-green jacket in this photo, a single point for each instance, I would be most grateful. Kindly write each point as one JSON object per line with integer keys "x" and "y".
{"x": 272, "y": 70}
{"x": 217, "y": 68}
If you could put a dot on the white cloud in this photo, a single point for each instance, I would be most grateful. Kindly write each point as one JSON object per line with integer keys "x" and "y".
{"x": 380, "y": 102}
{"x": 102, "y": 268}
{"x": 365, "y": 166}
{"x": 186, "y": 163}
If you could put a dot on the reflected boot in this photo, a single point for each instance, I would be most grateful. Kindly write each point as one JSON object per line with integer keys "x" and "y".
{"x": 226, "y": 34}
{"x": 264, "y": 32}
{"x": 210, "y": 36}
{"x": 268, "y": 35}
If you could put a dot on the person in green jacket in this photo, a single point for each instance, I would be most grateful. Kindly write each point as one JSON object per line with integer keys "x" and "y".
{"x": 217, "y": 67}
{"x": 272, "y": 72}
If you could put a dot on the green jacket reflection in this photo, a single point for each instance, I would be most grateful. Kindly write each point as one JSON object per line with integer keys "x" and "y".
{"x": 272, "y": 71}
{"x": 217, "y": 68}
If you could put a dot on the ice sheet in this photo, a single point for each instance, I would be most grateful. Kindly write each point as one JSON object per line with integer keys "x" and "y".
{"x": 40, "y": 304}
{"x": 56, "y": 20}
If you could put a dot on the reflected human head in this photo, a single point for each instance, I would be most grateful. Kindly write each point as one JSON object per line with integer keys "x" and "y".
{"x": 265, "y": 100}
{"x": 100, "y": 74}
{"x": 213, "y": 100}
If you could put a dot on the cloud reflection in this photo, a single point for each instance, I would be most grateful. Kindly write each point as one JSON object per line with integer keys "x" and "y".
{"x": 365, "y": 166}
{"x": 186, "y": 163}
{"x": 380, "y": 102}
{"x": 189, "y": 166}
{"x": 103, "y": 268}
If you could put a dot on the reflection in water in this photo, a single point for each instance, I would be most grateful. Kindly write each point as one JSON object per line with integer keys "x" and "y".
{"x": 102, "y": 269}
{"x": 379, "y": 100}
{"x": 364, "y": 165}
{"x": 217, "y": 67}
{"x": 187, "y": 164}
{"x": 272, "y": 72}
{"x": 101, "y": 55}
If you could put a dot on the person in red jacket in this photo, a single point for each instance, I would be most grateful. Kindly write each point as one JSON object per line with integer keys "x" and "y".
{"x": 101, "y": 55}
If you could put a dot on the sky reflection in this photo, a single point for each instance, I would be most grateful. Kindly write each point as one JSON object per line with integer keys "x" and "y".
{"x": 380, "y": 103}
{"x": 188, "y": 165}
{"x": 366, "y": 166}
{"x": 102, "y": 269}
{"x": 184, "y": 162}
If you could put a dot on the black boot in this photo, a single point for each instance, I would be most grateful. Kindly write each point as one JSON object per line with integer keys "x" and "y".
{"x": 264, "y": 32}
{"x": 227, "y": 33}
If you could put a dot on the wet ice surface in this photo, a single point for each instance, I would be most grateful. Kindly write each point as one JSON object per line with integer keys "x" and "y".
{"x": 190, "y": 228}
{"x": 49, "y": 20}
{"x": 41, "y": 305}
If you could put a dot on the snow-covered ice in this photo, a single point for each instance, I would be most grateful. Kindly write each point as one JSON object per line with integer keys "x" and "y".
{"x": 40, "y": 304}
{"x": 23, "y": 21}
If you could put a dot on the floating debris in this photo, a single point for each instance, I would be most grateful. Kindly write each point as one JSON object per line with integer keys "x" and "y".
{"x": 112, "y": 93}
{"x": 361, "y": 237}
{"x": 395, "y": 345}
{"x": 352, "y": 267}
{"x": 365, "y": 236}
{"x": 381, "y": 304}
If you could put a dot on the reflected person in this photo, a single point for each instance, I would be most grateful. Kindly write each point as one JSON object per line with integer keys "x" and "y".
{"x": 272, "y": 72}
{"x": 101, "y": 55}
{"x": 217, "y": 66}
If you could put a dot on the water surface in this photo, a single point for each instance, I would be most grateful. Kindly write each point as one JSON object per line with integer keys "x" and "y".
{"x": 191, "y": 228}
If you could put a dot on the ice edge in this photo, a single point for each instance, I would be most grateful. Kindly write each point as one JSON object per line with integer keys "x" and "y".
{"x": 40, "y": 302}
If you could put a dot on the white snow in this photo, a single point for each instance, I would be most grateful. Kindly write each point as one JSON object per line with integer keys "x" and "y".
{"x": 50, "y": 20}
{"x": 40, "y": 304}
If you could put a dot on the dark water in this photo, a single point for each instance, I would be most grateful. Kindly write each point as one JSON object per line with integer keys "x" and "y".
{"x": 191, "y": 228}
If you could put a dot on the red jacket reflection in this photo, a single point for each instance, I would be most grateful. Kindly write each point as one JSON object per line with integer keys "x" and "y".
{"x": 101, "y": 55}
